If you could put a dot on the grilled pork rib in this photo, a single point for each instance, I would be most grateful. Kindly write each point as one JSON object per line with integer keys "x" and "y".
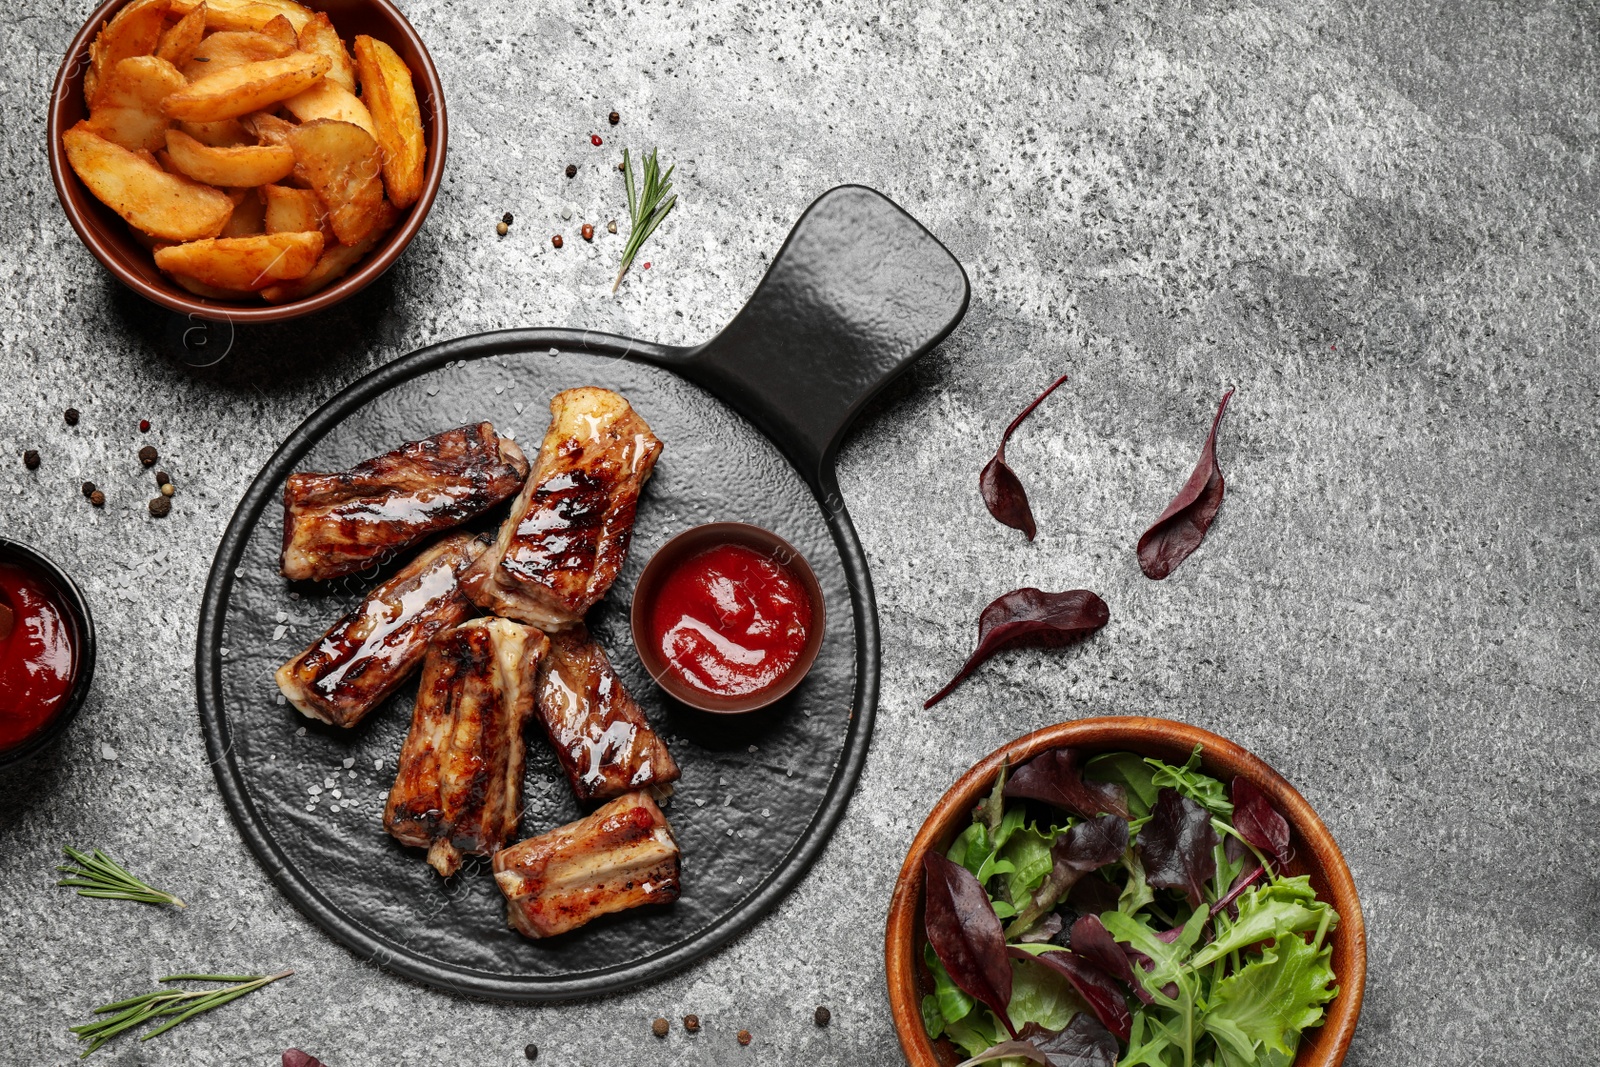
{"x": 459, "y": 788}
{"x": 335, "y": 524}
{"x": 621, "y": 856}
{"x": 366, "y": 654}
{"x": 569, "y": 529}
{"x": 599, "y": 732}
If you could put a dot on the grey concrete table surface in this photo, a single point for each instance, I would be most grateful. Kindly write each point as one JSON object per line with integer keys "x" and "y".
{"x": 1377, "y": 220}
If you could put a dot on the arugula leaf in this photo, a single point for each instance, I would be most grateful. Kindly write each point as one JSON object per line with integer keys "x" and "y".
{"x": 1265, "y": 1006}
{"x": 1177, "y": 846}
{"x": 1200, "y": 788}
{"x": 1134, "y": 773}
{"x": 1287, "y": 906}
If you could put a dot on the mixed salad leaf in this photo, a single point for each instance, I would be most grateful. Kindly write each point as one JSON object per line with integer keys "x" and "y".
{"x": 1122, "y": 911}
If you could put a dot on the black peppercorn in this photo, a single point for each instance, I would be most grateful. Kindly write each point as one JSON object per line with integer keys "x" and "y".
{"x": 88, "y": 489}
{"x": 162, "y": 478}
{"x": 160, "y": 506}
{"x": 823, "y": 1016}
{"x": 614, "y": 118}
{"x": 97, "y": 498}
{"x": 147, "y": 455}
{"x": 572, "y": 170}
{"x": 506, "y": 218}
{"x": 532, "y": 1052}
{"x": 660, "y": 1027}
{"x": 71, "y": 416}
{"x": 30, "y": 459}
{"x": 691, "y": 1023}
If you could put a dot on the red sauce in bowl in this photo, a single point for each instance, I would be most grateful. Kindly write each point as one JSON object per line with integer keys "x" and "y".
{"x": 38, "y": 654}
{"x": 730, "y": 621}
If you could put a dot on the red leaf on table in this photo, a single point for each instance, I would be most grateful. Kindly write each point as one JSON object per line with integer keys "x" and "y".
{"x": 1182, "y": 527}
{"x": 1258, "y": 822}
{"x": 295, "y": 1058}
{"x": 1032, "y": 617}
{"x": 1056, "y": 777}
{"x": 966, "y": 935}
{"x": 1002, "y": 490}
{"x": 1097, "y": 988}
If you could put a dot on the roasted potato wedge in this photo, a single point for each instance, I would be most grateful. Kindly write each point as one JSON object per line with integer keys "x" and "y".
{"x": 133, "y": 31}
{"x": 249, "y": 214}
{"x": 334, "y": 264}
{"x": 392, "y": 99}
{"x": 231, "y": 48}
{"x": 128, "y": 108}
{"x": 163, "y": 205}
{"x": 239, "y": 166}
{"x": 246, "y": 14}
{"x": 251, "y": 263}
{"x": 220, "y": 134}
{"x": 246, "y": 88}
{"x": 291, "y": 210}
{"x": 320, "y": 38}
{"x": 342, "y": 162}
{"x": 279, "y": 30}
{"x": 179, "y": 41}
{"x": 328, "y": 100}
{"x": 267, "y": 127}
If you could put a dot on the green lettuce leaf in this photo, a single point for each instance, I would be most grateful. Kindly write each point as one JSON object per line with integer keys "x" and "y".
{"x": 1026, "y": 851}
{"x": 1270, "y": 1000}
{"x": 1040, "y": 995}
{"x": 1133, "y": 773}
{"x": 1287, "y": 906}
{"x": 949, "y": 1004}
{"x": 970, "y": 848}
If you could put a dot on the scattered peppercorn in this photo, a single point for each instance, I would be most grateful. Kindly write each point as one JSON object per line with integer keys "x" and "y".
{"x": 532, "y": 1052}
{"x": 588, "y": 232}
{"x": 823, "y": 1016}
{"x": 507, "y": 219}
{"x": 622, "y": 166}
{"x": 744, "y": 1037}
{"x": 30, "y": 459}
{"x": 556, "y": 240}
{"x": 594, "y": 139}
{"x": 147, "y": 455}
{"x": 501, "y": 228}
{"x": 144, "y": 425}
{"x": 168, "y": 489}
{"x": 611, "y": 227}
{"x": 572, "y": 170}
{"x": 614, "y": 118}
{"x": 660, "y": 1027}
{"x": 691, "y": 1023}
{"x": 88, "y": 488}
{"x": 71, "y": 416}
{"x": 160, "y": 506}
{"x": 97, "y": 498}
{"x": 162, "y": 477}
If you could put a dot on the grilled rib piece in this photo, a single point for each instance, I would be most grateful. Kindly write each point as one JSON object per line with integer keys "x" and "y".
{"x": 621, "y": 856}
{"x": 459, "y": 789}
{"x": 366, "y": 654}
{"x": 569, "y": 529}
{"x": 599, "y": 732}
{"x": 335, "y": 524}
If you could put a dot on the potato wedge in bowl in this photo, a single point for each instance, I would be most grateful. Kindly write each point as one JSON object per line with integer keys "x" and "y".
{"x": 255, "y": 125}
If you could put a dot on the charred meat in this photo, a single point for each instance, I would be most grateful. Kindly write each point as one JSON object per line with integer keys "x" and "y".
{"x": 598, "y": 730}
{"x": 336, "y": 524}
{"x": 459, "y": 789}
{"x": 621, "y": 856}
{"x": 366, "y": 654}
{"x": 569, "y": 529}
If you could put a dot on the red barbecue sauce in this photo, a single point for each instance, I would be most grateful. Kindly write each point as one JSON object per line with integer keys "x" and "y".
{"x": 38, "y": 654}
{"x": 730, "y": 621}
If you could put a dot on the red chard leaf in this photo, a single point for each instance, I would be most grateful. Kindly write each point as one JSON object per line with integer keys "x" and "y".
{"x": 1177, "y": 846}
{"x": 1097, "y": 988}
{"x": 1091, "y": 940}
{"x": 1084, "y": 1043}
{"x": 1002, "y": 490}
{"x": 966, "y": 935}
{"x": 1088, "y": 846}
{"x": 1258, "y": 822}
{"x": 295, "y": 1058}
{"x": 1030, "y": 617}
{"x": 1056, "y": 777}
{"x": 1182, "y": 527}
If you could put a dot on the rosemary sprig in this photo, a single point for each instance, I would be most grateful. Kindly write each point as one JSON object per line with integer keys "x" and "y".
{"x": 645, "y": 207}
{"x": 182, "y": 1004}
{"x": 99, "y": 875}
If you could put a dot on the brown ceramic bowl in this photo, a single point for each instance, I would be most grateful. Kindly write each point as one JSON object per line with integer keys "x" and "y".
{"x": 697, "y": 539}
{"x": 109, "y": 238}
{"x": 1314, "y": 850}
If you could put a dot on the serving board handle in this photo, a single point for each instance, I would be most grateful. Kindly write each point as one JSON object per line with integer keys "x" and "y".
{"x": 858, "y": 291}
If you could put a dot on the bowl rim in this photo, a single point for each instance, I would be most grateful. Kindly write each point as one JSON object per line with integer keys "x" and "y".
{"x": 706, "y": 535}
{"x": 78, "y": 607}
{"x": 69, "y": 79}
{"x": 902, "y": 933}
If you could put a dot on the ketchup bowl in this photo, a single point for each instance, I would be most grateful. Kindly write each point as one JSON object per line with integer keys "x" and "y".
{"x": 727, "y": 617}
{"x": 46, "y": 651}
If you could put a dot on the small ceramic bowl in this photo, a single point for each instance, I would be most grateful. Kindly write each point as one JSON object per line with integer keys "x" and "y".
{"x": 697, "y": 539}
{"x": 108, "y": 236}
{"x": 1313, "y": 847}
{"x": 71, "y": 598}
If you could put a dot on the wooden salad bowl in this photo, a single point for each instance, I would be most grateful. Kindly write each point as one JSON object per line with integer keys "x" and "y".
{"x": 1314, "y": 853}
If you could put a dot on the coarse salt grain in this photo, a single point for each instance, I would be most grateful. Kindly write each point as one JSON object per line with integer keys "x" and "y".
{"x": 338, "y": 794}
{"x": 333, "y": 809}
{"x": 350, "y": 761}
{"x": 300, "y": 732}
{"x": 377, "y": 764}
{"x": 278, "y": 632}
{"x": 315, "y": 790}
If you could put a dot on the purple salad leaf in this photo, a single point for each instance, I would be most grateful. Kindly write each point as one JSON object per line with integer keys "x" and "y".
{"x": 966, "y": 935}
{"x": 1084, "y": 1043}
{"x": 1182, "y": 527}
{"x": 1047, "y": 930}
{"x": 1002, "y": 490}
{"x": 1086, "y": 847}
{"x": 1258, "y": 822}
{"x": 1056, "y": 777}
{"x": 295, "y": 1058}
{"x": 1177, "y": 846}
{"x": 1091, "y": 940}
{"x": 1098, "y": 989}
{"x": 1030, "y": 617}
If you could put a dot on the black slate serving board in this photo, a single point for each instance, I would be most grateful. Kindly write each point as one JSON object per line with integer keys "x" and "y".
{"x": 751, "y": 422}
